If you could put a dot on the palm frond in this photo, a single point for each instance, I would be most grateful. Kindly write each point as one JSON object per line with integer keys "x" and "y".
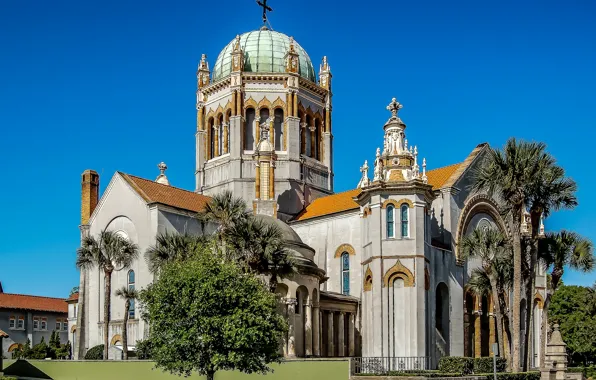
{"x": 127, "y": 293}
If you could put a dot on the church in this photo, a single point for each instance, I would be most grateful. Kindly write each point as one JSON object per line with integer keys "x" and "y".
{"x": 379, "y": 272}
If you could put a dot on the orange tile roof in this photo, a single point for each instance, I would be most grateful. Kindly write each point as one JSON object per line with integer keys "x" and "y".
{"x": 3, "y": 334}
{"x": 438, "y": 177}
{"x": 330, "y": 204}
{"x": 153, "y": 192}
{"x": 73, "y": 297}
{"x": 26, "y": 302}
{"x": 340, "y": 202}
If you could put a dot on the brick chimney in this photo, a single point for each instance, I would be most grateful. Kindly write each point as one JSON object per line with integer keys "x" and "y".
{"x": 89, "y": 194}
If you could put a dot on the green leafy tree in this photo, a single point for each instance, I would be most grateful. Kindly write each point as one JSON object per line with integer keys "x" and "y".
{"x": 171, "y": 247}
{"x": 523, "y": 175}
{"x": 128, "y": 295}
{"x": 207, "y": 315}
{"x": 488, "y": 244}
{"x": 260, "y": 246}
{"x": 574, "y": 309}
{"x": 109, "y": 252}
{"x": 40, "y": 350}
{"x": 557, "y": 251}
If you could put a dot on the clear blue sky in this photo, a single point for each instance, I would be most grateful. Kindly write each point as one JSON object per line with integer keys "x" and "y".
{"x": 109, "y": 85}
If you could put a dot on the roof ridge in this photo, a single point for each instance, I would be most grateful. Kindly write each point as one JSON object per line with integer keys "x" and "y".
{"x": 31, "y": 295}
{"x": 161, "y": 184}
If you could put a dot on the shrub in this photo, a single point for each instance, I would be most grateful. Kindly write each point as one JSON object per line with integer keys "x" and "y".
{"x": 513, "y": 376}
{"x": 456, "y": 364}
{"x": 143, "y": 348}
{"x": 588, "y": 372}
{"x": 95, "y": 353}
{"x": 485, "y": 365}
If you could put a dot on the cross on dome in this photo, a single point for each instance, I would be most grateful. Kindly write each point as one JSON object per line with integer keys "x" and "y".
{"x": 394, "y": 107}
{"x": 266, "y": 9}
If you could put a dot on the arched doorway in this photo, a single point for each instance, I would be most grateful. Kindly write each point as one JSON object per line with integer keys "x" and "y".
{"x": 442, "y": 316}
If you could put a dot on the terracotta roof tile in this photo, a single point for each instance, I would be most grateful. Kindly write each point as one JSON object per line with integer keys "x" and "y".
{"x": 330, "y": 204}
{"x": 153, "y": 192}
{"x": 438, "y": 177}
{"x": 340, "y": 202}
{"x": 3, "y": 334}
{"x": 26, "y": 302}
{"x": 73, "y": 297}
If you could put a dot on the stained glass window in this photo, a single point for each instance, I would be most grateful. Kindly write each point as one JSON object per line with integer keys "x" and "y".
{"x": 131, "y": 286}
{"x": 404, "y": 220}
{"x": 345, "y": 273}
{"x": 390, "y": 227}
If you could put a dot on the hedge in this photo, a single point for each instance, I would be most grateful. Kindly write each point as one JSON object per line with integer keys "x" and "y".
{"x": 466, "y": 366}
{"x": 485, "y": 365}
{"x": 456, "y": 364}
{"x": 588, "y": 372}
{"x": 513, "y": 376}
{"x": 95, "y": 353}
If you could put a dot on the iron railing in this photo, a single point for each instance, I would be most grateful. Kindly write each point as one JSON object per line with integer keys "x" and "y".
{"x": 384, "y": 365}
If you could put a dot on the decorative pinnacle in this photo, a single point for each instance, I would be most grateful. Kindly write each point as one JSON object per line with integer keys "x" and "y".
{"x": 394, "y": 107}
{"x": 162, "y": 167}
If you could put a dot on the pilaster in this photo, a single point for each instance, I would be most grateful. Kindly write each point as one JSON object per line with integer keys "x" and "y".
{"x": 315, "y": 330}
{"x": 291, "y": 303}
{"x": 308, "y": 331}
{"x": 330, "y": 346}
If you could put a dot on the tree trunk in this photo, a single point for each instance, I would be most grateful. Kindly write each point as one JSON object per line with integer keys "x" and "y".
{"x": 498, "y": 315}
{"x": 106, "y": 312}
{"x": 210, "y": 375}
{"x": 544, "y": 329}
{"x": 517, "y": 281}
{"x": 125, "y": 331}
{"x": 78, "y": 347}
{"x": 273, "y": 283}
{"x": 529, "y": 309}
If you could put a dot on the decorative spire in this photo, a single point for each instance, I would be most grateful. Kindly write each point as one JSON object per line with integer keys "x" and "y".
{"x": 203, "y": 72}
{"x": 394, "y": 107}
{"x": 378, "y": 166}
{"x": 424, "y": 177}
{"x": 364, "y": 181}
{"x": 161, "y": 178}
{"x": 541, "y": 228}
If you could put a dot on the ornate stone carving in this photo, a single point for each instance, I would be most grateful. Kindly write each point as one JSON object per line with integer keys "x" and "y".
{"x": 378, "y": 174}
{"x": 398, "y": 271}
{"x": 344, "y": 248}
{"x": 364, "y": 181}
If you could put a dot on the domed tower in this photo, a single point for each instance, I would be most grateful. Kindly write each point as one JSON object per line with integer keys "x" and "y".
{"x": 261, "y": 77}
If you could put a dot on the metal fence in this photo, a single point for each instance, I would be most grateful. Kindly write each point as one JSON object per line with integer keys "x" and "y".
{"x": 383, "y": 365}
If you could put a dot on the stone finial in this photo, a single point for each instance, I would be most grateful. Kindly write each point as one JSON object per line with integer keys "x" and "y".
{"x": 237, "y": 43}
{"x": 203, "y": 65}
{"x": 378, "y": 166}
{"x": 364, "y": 181}
{"x": 324, "y": 65}
{"x": 541, "y": 233}
{"x": 394, "y": 107}
{"x": 556, "y": 338}
{"x": 424, "y": 177}
{"x": 161, "y": 178}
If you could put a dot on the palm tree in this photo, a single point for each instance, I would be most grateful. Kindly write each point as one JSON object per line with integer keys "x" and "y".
{"x": 108, "y": 252}
{"x": 551, "y": 191}
{"x": 487, "y": 244}
{"x": 261, "y": 247}
{"x": 510, "y": 175}
{"x": 225, "y": 210}
{"x": 556, "y": 251}
{"x": 128, "y": 295}
{"x": 170, "y": 247}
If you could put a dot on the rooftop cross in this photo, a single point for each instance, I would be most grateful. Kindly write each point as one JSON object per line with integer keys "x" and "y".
{"x": 394, "y": 106}
{"x": 266, "y": 8}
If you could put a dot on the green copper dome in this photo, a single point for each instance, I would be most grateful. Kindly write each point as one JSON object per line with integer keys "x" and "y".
{"x": 264, "y": 52}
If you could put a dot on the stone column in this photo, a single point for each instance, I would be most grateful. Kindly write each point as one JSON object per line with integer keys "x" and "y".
{"x": 477, "y": 328}
{"x": 492, "y": 322}
{"x": 258, "y": 182}
{"x": 555, "y": 361}
{"x": 291, "y": 302}
{"x": 295, "y": 106}
{"x": 330, "y": 348}
{"x": 308, "y": 330}
{"x": 341, "y": 347}
{"x": 351, "y": 335}
{"x": 315, "y": 330}
{"x": 313, "y": 141}
{"x": 289, "y": 104}
{"x": 272, "y": 180}
{"x": 303, "y": 126}
{"x": 225, "y": 138}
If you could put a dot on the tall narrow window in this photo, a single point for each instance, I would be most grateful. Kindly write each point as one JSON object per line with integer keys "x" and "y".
{"x": 220, "y": 138}
{"x": 278, "y": 124}
{"x": 307, "y": 140}
{"x": 390, "y": 222}
{"x": 21, "y": 322}
{"x": 345, "y": 273}
{"x": 249, "y": 138}
{"x": 404, "y": 220}
{"x": 35, "y": 323}
{"x": 12, "y": 323}
{"x": 317, "y": 154}
{"x": 131, "y": 286}
{"x": 211, "y": 138}
{"x": 44, "y": 324}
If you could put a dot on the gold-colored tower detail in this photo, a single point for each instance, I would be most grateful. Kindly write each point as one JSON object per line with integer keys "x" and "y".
{"x": 203, "y": 73}
{"x": 265, "y": 202}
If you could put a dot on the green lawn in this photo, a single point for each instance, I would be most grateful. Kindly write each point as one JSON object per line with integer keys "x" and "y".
{"x": 116, "y": 370}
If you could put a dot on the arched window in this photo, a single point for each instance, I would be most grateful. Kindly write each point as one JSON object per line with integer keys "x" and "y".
{"x": 278, "y": 132}
{"x": 211, "y": 132}
{"x": 131, "y": 286}
{"x": 249, "y": 139}
{"x": 307, "y": 140}
{"x": 220, "y": 137}
{"x": 390, "y": 222}
{"x": 345, "y": 273}
{"x": 404, "y": 220}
